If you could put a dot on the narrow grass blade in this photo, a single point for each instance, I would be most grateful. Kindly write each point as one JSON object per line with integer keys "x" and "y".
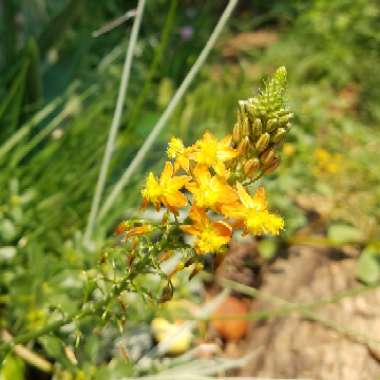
{"x": 169, "y": 110}
{"x": 115, "y": 122}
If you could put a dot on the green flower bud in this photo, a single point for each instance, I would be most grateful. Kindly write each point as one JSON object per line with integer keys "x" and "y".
{"x": 262, "y": 142}
{"x": 167, "y": 293}
{"x": 236, "y": 133}
{"x": 243, "y": 146}
{"x": 267, "y": 157}
{"x": 251, "y": 166}
{"x": 283, "y": 120}
{"x": 257, "y": 128}
{"x": 272, "y": 124}
{"x": 273, "y": 166}
{"x": 245, "y": 126}
{"x": 279, "y": 135}
{"x": 242, "y": 107}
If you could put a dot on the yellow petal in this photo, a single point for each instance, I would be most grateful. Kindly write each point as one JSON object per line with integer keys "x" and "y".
{"x": 244, "y": 196}
{"x": 259, "y": 199}
{"x": 198, "y": 215}
{"x": 234, "y": 210}
{"x": 137, "y": 231}
{"x": 226, "y": 154}
{"x": 176, "y": 200}
{"x": 223, "y": 228}
{"x": 202, "y": 174}
{"x": 167, "y": 172}
{"x": 190, "y": 229}
{"x": 178, "y": 182}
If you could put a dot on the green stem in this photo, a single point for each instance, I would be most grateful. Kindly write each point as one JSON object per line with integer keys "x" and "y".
{"x": 116, "y": 121}
{"x": 91, "y": 309}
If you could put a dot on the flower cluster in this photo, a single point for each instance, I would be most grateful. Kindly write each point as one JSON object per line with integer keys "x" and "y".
{"x": 210, "y": 181}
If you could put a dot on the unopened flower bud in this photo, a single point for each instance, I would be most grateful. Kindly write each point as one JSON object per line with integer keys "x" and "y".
{"x": 251, "y": 166}
{"x": 283, "y": 120}
{"x": 237, "y": 133}
{"x": 279, "y": 135}
{"x": 167, "y": 293}
{"x": 272, "y": 124}
{"x": 245, "y": 126}
{"x": 257, "y": 127}
{"x": 267, "y": 157}
{"x": 274, "y": 165}
{"x": 121, "y": 228}
{"x": 241, "y": 105}
{"x": 243, "y": 146}
{"x": 262, "y": 142}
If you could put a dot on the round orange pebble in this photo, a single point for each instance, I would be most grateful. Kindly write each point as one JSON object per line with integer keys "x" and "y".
{"x": 228, "y": 328}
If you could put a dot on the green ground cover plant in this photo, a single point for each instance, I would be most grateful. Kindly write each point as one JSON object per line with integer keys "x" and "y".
{"x": 58, "y": 91}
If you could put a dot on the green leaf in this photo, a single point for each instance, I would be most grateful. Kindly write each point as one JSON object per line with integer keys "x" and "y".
{"x": 343, "y": 233}
{"x": 33, "y": 76}
{"x": 53, "y": 346}
{"x": 368, "y": 267}
{"x": 13, "y": 369}
{"x": 267, "y": 248}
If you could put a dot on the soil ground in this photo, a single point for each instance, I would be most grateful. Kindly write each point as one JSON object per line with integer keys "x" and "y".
{"x": 336, "y": 341}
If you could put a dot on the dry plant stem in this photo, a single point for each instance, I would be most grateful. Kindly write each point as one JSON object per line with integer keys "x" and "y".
{"x": 115, "y": 121}
{"x": 306, "y": 309}
{"x": 29, "y": 356}
{"x": 114, "y": 23}
{"x": 123, "y": 181}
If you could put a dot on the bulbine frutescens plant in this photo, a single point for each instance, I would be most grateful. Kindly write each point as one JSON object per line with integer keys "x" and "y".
{"x": 208, "y": 182}
{"x": 205, "y": 192}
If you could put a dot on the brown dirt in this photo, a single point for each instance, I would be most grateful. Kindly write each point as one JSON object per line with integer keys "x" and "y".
{"x": 295, "y": 346}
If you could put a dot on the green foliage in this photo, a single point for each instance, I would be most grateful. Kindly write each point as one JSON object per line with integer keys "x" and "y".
{"x": 368, "y": 269}
{"x": 49, "y": 164}
{"x": 12, "y": 369}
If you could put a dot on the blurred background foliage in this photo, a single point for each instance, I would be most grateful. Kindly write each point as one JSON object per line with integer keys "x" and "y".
{"x": 58, "y": 87}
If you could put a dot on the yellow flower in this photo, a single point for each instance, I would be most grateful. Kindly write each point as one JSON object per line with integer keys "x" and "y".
{"x": 252, "y": 213}
{"x": 211, "y": 236}
{"x": 177, "y": 151}
{"x": 326, "y": 162}
{"x": 210, "y": 191}
{"x": 166, "y": 190}
{"x": 211, "y": 152}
